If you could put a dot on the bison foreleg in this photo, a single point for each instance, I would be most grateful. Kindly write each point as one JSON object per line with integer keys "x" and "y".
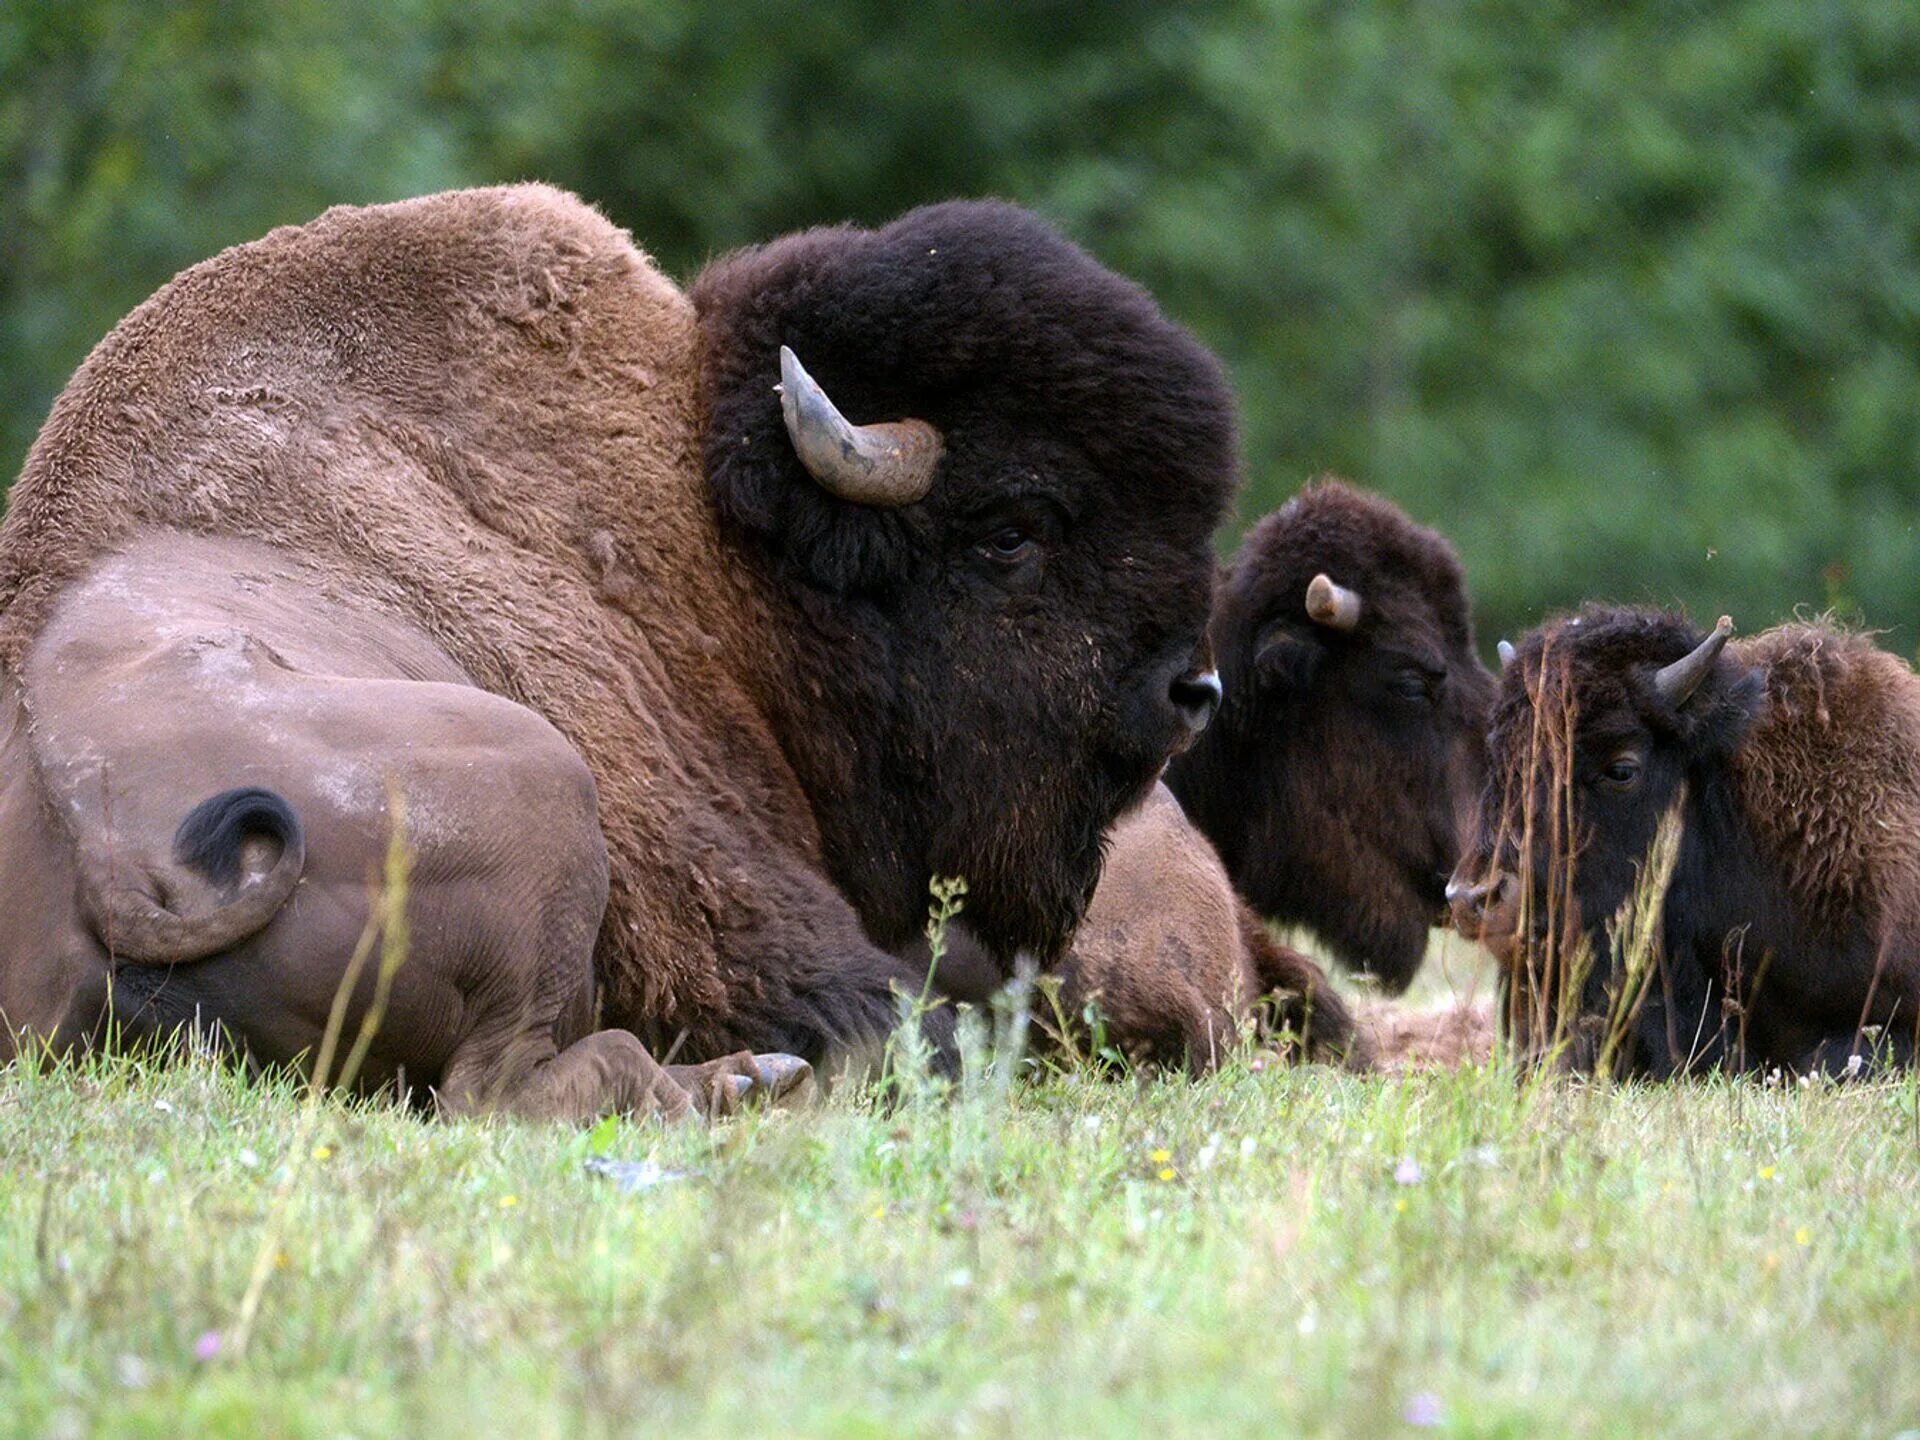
{"x": 611, "y": 1073}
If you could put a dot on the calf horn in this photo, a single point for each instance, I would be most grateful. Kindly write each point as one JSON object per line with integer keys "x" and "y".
{"x": 1676, "y": 682}
{"x": 1505, "y": 648}
{"x": 1331, "y": 604}
{"x": 888, "y": 464}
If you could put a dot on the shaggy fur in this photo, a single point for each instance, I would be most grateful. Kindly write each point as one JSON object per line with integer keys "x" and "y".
{"x": 1790, "y": 919}
{"x": 1178, "y": 966}
{"x": 483, "y": 416}
{"x": 1338, "y": 776}
{"x": 1004, "y": 735}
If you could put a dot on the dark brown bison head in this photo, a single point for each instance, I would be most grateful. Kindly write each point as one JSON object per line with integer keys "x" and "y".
{"x": 1607, "y": 722}
{"x": 983, "y": 520}
{"x": 1336, "y": 780}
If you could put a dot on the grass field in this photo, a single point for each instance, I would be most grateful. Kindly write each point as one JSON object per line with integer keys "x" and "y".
{"x": 1267, "y": 1251}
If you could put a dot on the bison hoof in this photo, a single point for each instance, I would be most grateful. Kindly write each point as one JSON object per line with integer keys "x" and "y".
{"x": 781, "y": 1075}
{"x": 720, "y": 1087}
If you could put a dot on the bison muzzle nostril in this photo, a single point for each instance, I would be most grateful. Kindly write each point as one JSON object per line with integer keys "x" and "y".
{"x": 1196, "y": 697}
{"x": 1471, "y": 900}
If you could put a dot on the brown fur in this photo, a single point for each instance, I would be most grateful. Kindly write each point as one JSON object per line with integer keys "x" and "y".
{"x": 1177, "y": 964}
{"x": 476, "y": 423}
{"x": 1789, "y": 921}
{"x": 528, "y": 332}
{"x": 1338, "y": 778}
{"x": 1830, "y": 772}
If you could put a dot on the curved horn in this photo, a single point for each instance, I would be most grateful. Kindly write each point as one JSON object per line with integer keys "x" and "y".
{"x": 1506, "y": 652}
{"x": 1332, "y": 605}
{"x": 1679, "y": 680}
{"x": 889, "y": 464}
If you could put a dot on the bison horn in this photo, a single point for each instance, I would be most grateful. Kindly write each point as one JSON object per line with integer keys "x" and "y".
{"x": 889, "y": 464}
{"x": 1506, "y": 652}
{"x": 1679, "y": 680}
{"x": 1332, "y": 605}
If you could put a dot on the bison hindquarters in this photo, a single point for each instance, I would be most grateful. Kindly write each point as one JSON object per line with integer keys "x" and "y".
{"x": 183, "y": 681}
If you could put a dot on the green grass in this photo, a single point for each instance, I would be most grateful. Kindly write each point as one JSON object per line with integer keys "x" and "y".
{"x": 1715, "y": 1258}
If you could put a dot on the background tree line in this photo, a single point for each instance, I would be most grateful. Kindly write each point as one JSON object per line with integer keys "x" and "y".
{"x": 1625, "y": 298}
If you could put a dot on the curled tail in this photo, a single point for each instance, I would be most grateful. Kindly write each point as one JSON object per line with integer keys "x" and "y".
{"x": 236, "y": 859}
{"x": 1308, "y": 1003}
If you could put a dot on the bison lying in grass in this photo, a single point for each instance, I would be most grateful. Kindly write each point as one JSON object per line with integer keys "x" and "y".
{"x": 689, "y": 680}
{"x": 1177, "y": 964}
{"x": 1338, "y": 777}
{"x": 1697, "y": 854}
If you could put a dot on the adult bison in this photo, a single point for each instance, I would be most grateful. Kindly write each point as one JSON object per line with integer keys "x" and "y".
{"x": 1338, "y": 776}
{"x": 1692, "y": 854}
{"x": 689, "y": 685}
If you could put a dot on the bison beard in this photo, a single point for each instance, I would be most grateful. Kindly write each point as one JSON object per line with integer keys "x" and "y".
{"x": 1176, "y": 966}
{"x": 418, "y": 491}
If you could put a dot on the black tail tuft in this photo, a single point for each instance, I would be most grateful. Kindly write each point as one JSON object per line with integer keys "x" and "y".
{"x": 209, "y": 839}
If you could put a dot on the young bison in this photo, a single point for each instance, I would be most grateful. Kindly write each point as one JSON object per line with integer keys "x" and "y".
{"x": 1335, "y": 782}
{"x": 1787, "y": 933}
{"x": 1177, "y": 964}
{"x": 1338, "y": 776}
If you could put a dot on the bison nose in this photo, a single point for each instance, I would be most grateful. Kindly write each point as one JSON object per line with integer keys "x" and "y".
{"x": 1196, "y": 697}
{"x": 1470, "y": 900}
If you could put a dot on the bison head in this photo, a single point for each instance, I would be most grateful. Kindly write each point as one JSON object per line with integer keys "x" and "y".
{"x": 1607, "y": 724}
{"x": 1337, "y": 778}
{"x": 978, "y": 511}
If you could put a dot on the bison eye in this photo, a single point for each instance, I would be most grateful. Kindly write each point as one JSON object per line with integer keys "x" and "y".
{"x": 1622, "y": 773}
{"x": 1010, "y": 543}
{"x": 1413, "y": 685}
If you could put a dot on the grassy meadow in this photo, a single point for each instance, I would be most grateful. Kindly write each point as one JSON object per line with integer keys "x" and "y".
{"x": 1266, "y": 1251}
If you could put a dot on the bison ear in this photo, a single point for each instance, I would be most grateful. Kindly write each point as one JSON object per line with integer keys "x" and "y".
{"x": 1286, "y": 660}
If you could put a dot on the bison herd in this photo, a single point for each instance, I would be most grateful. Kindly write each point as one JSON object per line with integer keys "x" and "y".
{"x": 679, "y": 639}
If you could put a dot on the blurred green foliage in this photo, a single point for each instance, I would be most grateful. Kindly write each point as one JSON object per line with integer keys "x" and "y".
{"x": 1625, "y": 298}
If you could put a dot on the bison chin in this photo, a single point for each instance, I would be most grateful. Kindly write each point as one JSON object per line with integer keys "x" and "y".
{"x": 1031, "y": 858}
